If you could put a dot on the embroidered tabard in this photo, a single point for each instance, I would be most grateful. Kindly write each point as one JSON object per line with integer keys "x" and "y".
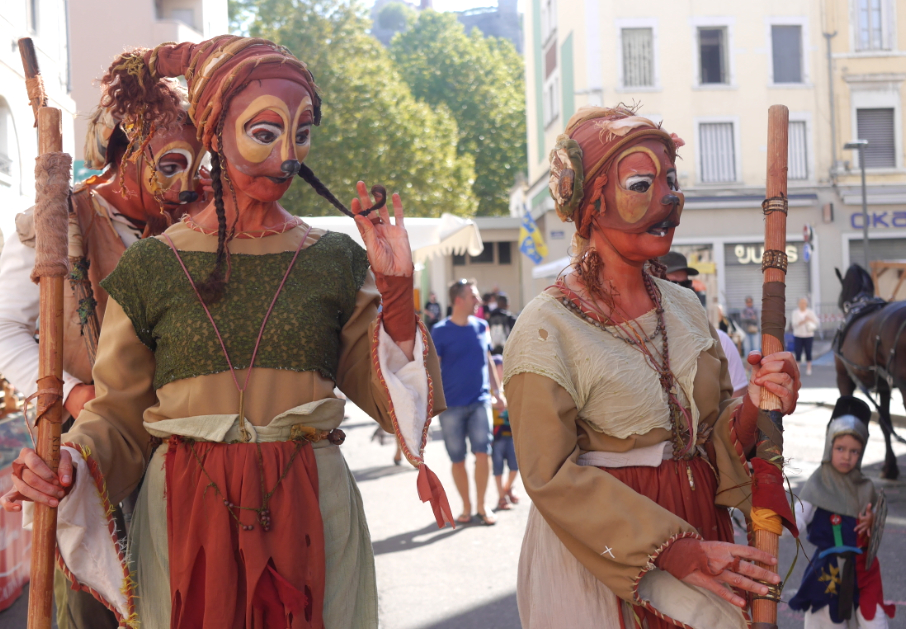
{"x": 302, "y": 334}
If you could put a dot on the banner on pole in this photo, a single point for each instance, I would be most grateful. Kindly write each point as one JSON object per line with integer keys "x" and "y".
{"x": 530, "y": 241}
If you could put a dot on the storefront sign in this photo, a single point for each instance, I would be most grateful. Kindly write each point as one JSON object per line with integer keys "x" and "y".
{"x": 878, "y": 219}
{"x": 751, "y": 254}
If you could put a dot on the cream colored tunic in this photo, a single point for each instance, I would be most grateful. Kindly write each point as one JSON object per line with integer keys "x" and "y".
{"x": 113, "y": 427}
{"x": 574, "y": 388}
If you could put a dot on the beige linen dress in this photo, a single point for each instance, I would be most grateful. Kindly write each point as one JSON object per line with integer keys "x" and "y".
{"x": 580, "y": 398}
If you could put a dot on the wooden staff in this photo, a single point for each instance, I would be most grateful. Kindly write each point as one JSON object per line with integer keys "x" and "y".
{"x": 773, "y": 324}
{"x": 52, "y": 173}
{"x": 78, "y": 262}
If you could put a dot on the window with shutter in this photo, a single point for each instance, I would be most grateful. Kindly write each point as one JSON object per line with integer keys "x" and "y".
{"x": 712, "y": 44}
{"x": 798, "y": 151}
{"x": 717, "y": 153}
{"x": 877, "y": 126}
{"x": 786, "y": 42}
{"x": 638, "y": 57}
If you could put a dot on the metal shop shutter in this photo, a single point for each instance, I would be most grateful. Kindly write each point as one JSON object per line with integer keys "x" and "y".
{"x": 878, "y": 249}
{"x": 744, "y": 277}
{"x": 876, "y": 126}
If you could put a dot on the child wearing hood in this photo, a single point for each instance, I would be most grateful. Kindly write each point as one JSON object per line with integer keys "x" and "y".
{"x": 839, "y": 509}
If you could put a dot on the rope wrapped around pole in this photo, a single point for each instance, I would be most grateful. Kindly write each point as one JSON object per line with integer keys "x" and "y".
{"x": 52, "y": 215}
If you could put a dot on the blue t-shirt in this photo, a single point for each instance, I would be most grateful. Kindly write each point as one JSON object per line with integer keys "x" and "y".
{"x": 463, "y": 351}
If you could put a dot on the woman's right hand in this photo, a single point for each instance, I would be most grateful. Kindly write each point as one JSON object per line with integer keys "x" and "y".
{"x": 34, "y": 481}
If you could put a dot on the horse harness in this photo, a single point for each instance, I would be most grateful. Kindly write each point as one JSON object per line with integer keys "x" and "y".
{"x": 861, "y": 307}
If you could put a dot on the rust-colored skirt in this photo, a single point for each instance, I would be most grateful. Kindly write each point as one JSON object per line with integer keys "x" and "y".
{"x": 686, "y": 489}
{"x": 225, "y": 575}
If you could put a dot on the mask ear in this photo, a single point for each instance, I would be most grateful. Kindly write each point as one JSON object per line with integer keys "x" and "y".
{"x": 839, "y": 277}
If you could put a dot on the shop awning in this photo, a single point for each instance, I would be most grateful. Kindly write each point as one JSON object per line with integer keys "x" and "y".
{"x": 429, "y": 237}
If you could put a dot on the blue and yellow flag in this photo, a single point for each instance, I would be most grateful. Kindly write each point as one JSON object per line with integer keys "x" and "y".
{"x": 530, "y": 241}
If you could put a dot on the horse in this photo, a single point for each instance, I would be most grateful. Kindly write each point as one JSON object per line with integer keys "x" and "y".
{"x": 870, "y": 351}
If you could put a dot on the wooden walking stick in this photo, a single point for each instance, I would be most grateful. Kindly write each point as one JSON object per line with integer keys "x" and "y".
{"x": 52, "y": 172}
{"x": 770, "y": 509}
{"x": 78, "y": 262}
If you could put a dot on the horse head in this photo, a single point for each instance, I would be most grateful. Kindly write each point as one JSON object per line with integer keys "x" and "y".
{"x": 856, "y": 282}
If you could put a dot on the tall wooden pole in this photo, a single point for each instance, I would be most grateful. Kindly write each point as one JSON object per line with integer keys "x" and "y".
{"x": 50, "y": 345}
{"x": 773, "y": 317}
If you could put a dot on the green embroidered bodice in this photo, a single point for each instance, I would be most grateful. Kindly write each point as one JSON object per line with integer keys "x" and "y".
{"x": 302, "y": 334}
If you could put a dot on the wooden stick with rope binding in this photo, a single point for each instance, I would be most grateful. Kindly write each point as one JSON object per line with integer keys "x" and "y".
{"x": 78, "y": 262}
{"x": 767, "y": 524}
{"x": 52, "y": 173}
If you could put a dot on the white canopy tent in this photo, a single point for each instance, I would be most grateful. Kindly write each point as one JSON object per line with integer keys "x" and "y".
{"x": 550, "y": 269}
{"x": 429, "y": 237}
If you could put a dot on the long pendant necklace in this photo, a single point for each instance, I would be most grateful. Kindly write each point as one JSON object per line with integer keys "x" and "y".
{"x": 264, "y": 514}
{"x": 631, "y": 332}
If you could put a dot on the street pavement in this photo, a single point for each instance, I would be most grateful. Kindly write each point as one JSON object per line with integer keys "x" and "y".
{"x": 466, "y": 578}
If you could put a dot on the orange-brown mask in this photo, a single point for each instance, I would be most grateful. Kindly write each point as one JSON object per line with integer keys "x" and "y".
{"x": 641, "y": 193}
{"x": 266, "y": 135}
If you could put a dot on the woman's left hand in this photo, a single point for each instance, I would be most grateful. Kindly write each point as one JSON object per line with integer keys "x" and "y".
{"x": 387, "y": 244}
{"x": 779, "y": 374}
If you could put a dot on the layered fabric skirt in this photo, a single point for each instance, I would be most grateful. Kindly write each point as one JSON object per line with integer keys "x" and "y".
{"x": 555, "y": 590}
{"x": 195, "y": 564}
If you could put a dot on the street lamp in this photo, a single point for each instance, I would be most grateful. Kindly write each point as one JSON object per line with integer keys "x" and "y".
{"x": 859, "y": 145}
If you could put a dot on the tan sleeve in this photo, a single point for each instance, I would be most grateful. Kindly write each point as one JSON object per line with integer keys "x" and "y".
{"x": 111, "y": 424}
{"x": 591, "y": 512}
{"x": 356, "y": 374}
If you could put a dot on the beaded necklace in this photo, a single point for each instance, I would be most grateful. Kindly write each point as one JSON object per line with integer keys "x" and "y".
{"x": 631, "y": 332}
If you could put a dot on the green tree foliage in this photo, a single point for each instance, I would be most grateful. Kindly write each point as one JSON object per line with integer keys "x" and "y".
{"x": 373, "y": 128}
{"x": 480, "y": 80}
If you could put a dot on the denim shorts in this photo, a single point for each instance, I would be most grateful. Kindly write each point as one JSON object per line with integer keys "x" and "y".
{"x": 504, "y": 450}
{"x": 473, "y": 421}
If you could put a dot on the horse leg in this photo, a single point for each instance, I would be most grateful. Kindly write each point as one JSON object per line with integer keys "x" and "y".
{"x": 844, "y": 383}
{"x": 890, "y": 470}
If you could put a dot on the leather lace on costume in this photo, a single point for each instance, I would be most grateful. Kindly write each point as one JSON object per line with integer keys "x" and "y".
{"x": 304, "y": 329}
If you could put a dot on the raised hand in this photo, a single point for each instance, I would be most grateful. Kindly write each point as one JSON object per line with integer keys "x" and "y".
{"x": 387, "y": 243}
{"x": 779, "y": 374}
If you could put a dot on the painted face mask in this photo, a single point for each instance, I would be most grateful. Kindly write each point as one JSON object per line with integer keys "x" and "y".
{"x": 266, "y": 135}
{"x": 170, "y": 167}
{"x": 641, "y": 193}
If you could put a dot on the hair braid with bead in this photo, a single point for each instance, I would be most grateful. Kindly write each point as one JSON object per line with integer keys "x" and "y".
{"x": 211, "y": 289}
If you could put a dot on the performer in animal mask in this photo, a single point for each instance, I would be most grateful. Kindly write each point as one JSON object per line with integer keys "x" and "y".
{"x": 224, "y": 341}
{"x": 630, "y": 444}
{"x": 143, "y": 186}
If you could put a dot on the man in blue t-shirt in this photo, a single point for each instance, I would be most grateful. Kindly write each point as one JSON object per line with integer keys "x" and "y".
{"x": 463, "y": 346}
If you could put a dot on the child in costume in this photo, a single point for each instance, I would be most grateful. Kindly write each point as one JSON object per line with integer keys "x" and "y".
{"x": 839, "y": 507}
{"x": 224, "y": 340}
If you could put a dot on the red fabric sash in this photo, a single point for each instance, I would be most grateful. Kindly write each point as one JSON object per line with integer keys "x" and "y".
{"x": 222, "y": 576}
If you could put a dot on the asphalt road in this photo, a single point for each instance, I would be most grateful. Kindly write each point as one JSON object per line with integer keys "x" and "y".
{"x": 466, "y": 578}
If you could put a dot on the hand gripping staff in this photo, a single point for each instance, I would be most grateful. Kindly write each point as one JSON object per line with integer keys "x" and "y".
{"x": 52, "y": 172}
{"x": 770, "y": 508}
